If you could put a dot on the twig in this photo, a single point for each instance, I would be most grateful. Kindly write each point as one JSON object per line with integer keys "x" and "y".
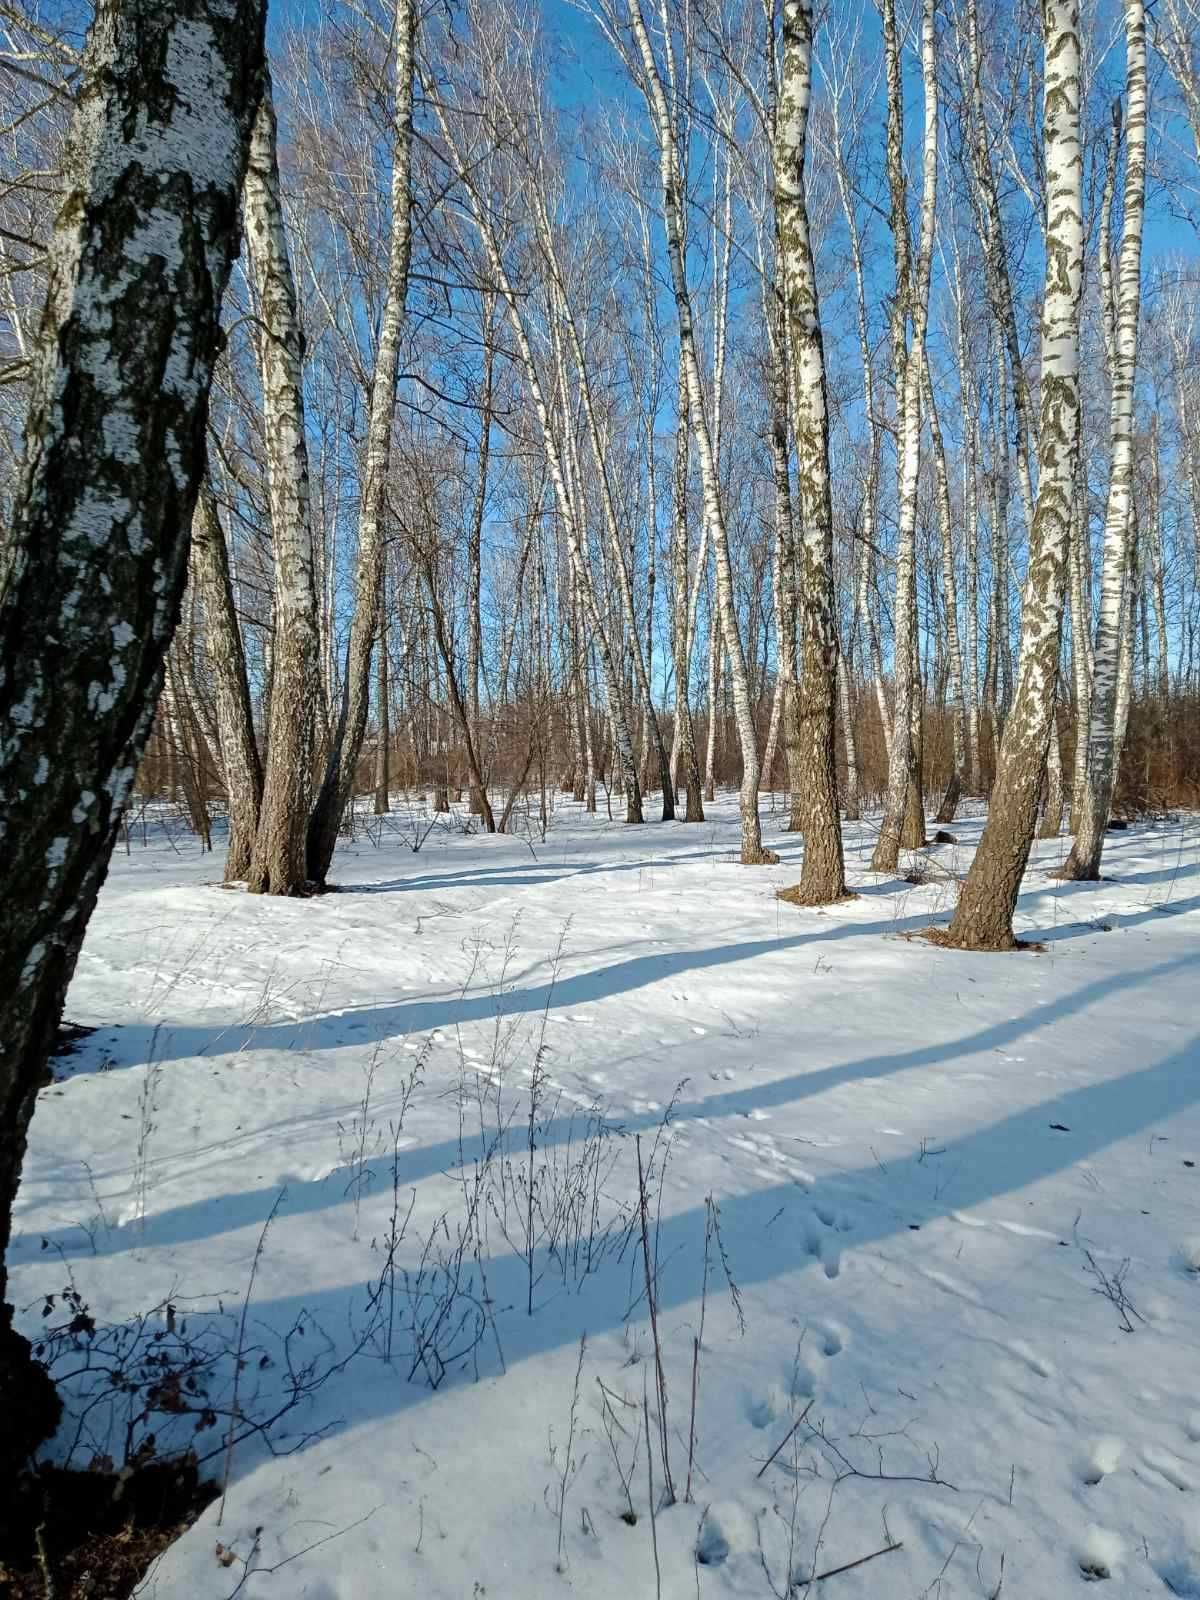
{"x": 795, "y": 1425}
{"x": 687, "y": 1493}
{"x": 652, "y": 1302}
{"x": 848, "y": 1566}
{"x": 241, "y": 1344}
{"x": 650, "y": 1478}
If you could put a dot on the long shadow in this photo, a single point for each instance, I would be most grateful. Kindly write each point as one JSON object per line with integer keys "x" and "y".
{"x": 1117, "y": 919}
{"x": 524, "y": 874}
{"x": 249, "y": 1207}
{"x": 165, "y": 1042}
{"x": 767, "y": 1231}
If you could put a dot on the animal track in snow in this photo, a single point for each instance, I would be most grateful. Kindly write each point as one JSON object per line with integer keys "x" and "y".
{"x": 821, "y": 1247}
{"x": 1099, "y": 1458}
{"x": 766, "y": 1407}
{"x": 831, "y": 1340}
{"x": 1099, "y": 1553}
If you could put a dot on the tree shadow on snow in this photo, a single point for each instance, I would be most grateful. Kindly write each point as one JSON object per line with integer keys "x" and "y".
{"x": 249, "y": 1208}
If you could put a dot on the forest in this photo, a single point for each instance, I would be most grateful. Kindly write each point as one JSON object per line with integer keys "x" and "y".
{"x": 462, "y": 466}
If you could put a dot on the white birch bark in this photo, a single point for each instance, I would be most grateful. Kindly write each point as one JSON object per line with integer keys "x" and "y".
{"x": 236, "y": 745}
{"x": 1084, "y": 861}
{"x": 900, "y": 802}
{"x": 954, "y": 788}
{"x": 714, "y": 514}
{"x": 867, "y": 534}
{"x": 94, "y": 565}
{"x": 346, "y": 745}
{"x": 983, "y": 918}
{"x": 814, "y": 728}
{"x": 277, "y": 864}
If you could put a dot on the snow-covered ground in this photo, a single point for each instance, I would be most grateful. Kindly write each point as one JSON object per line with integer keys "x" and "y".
{"x": 927, "y": 1165}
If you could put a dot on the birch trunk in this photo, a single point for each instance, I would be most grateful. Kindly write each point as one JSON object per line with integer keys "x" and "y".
{"x": 1084, "y": 860}
{"x": 475, "y": 542}
{"x": 94, "y": 565}
{"x": 1158, "y": 587}
{"x": 681, "y": 631}
{"x": 383, "y": 784}
{"x": 240, "y": 766}
{"x": 277, "y": 864}
{"x": 785, "y": 709}
{"x": 983, "y": 919}
{"x": 866, "y": 550}
{"x": 996, "y": 258}
{"x": 714, "y": 515}
{"x": 346, "y": 745}
{"x": 714, "y": 690}
{"x": 814, "y": 729}
{"x": 1081, "y": 665}
{"x": 1052, "y": 813}
{"x": 954, "y": 788}
{"x": 901, "y": 822}
{"x": 846, "y": 710}
{"x": 970, "y": 411}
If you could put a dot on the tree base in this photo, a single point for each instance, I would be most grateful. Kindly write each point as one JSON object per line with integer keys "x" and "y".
{"x": 759, "y": 858}
{"x": 1073, "y": 871}
{"x": 984, "y": 942}
{"x": 798, "y": 895}
{"x": 71, "y": 1534}
{"x": 29, "y": 1403}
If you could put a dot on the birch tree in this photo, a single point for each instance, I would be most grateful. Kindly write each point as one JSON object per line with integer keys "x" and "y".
{"x": 823, "y": 877}
{"x": 1104, "y": 730}
{"x": 346, "y": 745}
{"x": 237, "y": 746}
{"x": 983, "y": 918}
{"x": 93, "y": 570}
{"x": 752, "y": 853}
{"x": 278, "y": 863}
{"x": 903, "y": 818}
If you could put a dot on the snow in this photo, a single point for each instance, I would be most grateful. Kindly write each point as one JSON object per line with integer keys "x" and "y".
{"x": 909, "y": 1149}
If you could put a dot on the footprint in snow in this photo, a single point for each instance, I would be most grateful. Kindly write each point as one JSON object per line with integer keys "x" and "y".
{"x": 831, "y": 1340}
{"x": 1099, "y": 1553}
{"x": 822, "y": 1248}
{"x": 1099, "y": 1458}
{"x": 768, "y": 1406}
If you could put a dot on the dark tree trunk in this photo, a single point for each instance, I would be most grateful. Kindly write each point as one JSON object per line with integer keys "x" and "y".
{"x": 94, "y": 569}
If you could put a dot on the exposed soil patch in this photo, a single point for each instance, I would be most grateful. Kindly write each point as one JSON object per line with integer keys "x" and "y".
{"x": 87, "y": 1535}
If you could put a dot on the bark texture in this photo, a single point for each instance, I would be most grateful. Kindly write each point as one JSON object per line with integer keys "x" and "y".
{"x": 96, "y": 559}
{"x": 903, "y": 819}
{"x": 1114, "y": 625}
{"x": 278, "y": 864}
{"x": 983, "y": 919}
{"x": 814, "y": 768}
{"x": 240, "y": 766}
